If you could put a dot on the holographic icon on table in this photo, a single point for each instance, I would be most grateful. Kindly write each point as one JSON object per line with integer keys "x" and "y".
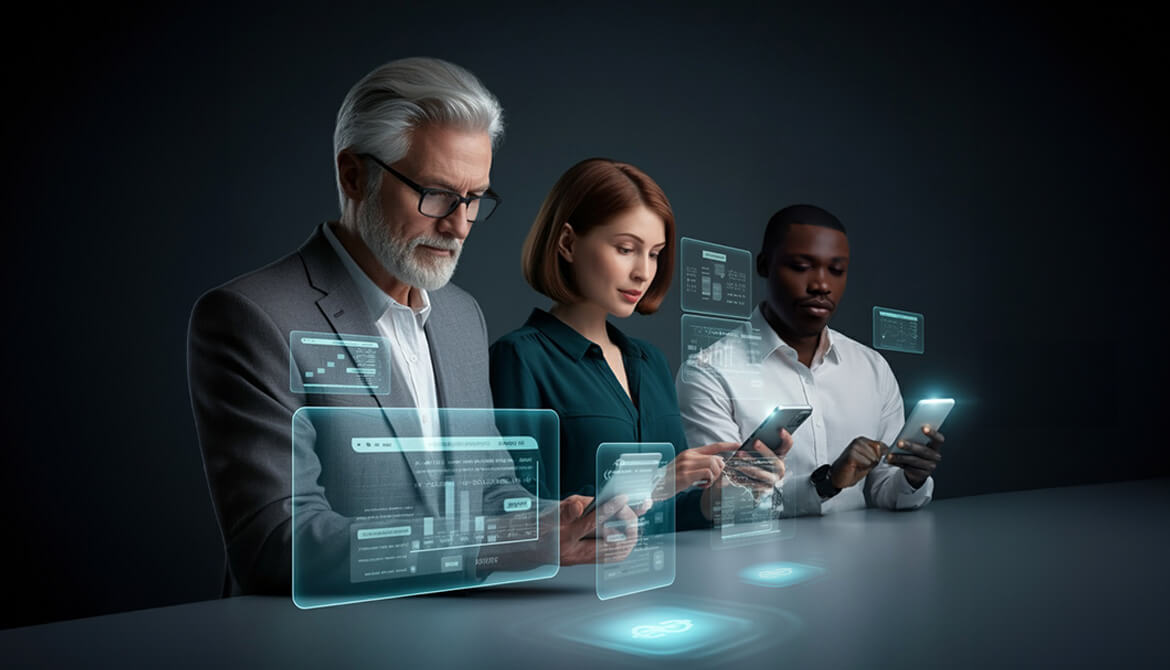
{"x": 635, "y": 552}
{"x": 391, "y": 502}
{"x": 778, "y": 575}
{"x": 716, "y": 279}
{"x": 677, "y": 627}
{"x": 328, "y": 363}
{"x": 775, "y": 573}
{"x": 662, "y": 628}
{"x": 898, "y": 330}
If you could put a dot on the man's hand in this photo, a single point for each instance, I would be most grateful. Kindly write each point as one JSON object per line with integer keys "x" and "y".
{"x": 763, "y": 469}
{"x": 699, "y": 466}
{"x": 922, "y": 459}
{"x": 615, "y": 517}
{"x": 855, "y": 462}
{"x": 758, "y": 472}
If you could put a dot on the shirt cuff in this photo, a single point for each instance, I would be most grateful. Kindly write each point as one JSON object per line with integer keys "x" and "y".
{"x": 909, "y": 497}
{"x": 800, "y": 495}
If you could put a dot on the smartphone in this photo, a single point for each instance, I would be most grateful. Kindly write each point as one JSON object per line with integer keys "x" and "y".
{"x": 768, "y": 432}
{"x": 633, "y": 475}
{"x": 789, "y": 417}
{"x": 926, "y": 413}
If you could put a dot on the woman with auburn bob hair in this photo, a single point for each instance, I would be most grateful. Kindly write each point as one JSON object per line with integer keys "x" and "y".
{"x": 603, "y": 244}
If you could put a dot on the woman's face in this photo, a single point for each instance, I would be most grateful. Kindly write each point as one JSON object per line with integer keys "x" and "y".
{"x": 614, "y": 263}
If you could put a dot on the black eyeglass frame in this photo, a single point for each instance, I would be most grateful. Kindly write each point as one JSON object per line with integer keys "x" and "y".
{"x": 424, "y": 191}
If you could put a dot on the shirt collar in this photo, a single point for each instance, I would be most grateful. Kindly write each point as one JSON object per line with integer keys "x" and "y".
{"x": 575, "y": 344}
{"x": 375, "y": 298}
{"x": 770, "y": 342}
{"x": 825, "y": 349}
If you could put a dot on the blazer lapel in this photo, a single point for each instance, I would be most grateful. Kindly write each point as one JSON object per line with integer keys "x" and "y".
{"x": 345, "y": 310}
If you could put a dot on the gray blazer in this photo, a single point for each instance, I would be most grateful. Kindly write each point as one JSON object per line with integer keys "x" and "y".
{"x": 238, "y": 372}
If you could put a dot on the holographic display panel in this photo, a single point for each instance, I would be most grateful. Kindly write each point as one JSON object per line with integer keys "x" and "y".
{"x": 729, "y": 346}
{"x": 389, "y": 542}
{"x": 745, "y": 505}
{"x": 897, "y": 330}
{"x": 639, "y": 556}
{"x": 382, "y": 509}
{"x": 328, "y": 363}
{"x": 716, "y": 279}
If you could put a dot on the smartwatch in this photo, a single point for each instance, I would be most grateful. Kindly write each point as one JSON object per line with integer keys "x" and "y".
{"x": 822, "y": 480}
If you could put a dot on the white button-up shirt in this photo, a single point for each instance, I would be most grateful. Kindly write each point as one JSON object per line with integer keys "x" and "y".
{"x": 726, "y": 391}
{"x": 402, "y": 325}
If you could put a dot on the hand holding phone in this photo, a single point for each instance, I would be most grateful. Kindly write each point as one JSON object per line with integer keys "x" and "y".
{"x": 788, "y": 417}
{"x": 759, "y": 469}
{"x": 930, "y": 413}
{"x": 917, "y": 459}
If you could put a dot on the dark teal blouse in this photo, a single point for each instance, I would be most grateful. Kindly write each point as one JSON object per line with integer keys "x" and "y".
{"x": 548, "y": 365}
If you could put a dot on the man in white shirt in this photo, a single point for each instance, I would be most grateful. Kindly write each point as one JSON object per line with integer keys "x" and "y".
{"x": 788, "y": 355}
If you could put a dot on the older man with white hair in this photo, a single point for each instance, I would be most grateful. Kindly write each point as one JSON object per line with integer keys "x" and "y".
{"x": 413, "y": 149}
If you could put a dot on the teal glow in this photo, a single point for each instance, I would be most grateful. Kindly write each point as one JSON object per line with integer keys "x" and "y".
{"x": 779, "y": 575}
{"x": 517, "y": 504}
{"x": 665, "y": 631}
{"x": 374, "y": 533}
{"x": 376, "y": 445}
{"x": 334, "y": 342}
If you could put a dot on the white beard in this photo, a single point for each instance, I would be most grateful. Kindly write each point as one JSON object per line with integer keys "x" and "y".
{"x": 398, "y": 256}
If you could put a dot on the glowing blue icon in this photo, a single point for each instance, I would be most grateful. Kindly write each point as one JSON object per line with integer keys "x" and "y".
{"x": 665, "y": 630}
{"x": 776, "y": 575}
{"x": 775, "y": 572}
{"x": 662, "y": 628}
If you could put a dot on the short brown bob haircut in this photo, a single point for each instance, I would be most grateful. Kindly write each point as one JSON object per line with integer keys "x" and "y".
{"x": 588, "y": 195}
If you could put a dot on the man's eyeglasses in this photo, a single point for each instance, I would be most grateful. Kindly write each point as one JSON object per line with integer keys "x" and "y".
{"x": 438, "y": 203}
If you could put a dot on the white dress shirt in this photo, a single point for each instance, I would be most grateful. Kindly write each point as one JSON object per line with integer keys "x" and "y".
{"x": 726, "y": 391}
{"x": 402, "y": 325}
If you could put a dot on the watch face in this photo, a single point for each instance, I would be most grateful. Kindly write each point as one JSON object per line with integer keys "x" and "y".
{"x": 820, "y": 479}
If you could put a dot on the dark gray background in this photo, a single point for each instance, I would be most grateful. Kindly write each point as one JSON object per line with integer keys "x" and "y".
{"x": 1001, "y": 170}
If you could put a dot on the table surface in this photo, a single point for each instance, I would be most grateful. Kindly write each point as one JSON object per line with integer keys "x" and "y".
{"x": 1067, "y": 576}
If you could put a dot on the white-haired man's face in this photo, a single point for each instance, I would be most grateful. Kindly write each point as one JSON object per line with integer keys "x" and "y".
{"x": 419, "y": 250}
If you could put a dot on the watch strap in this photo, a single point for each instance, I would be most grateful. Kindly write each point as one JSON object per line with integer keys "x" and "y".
{"x": 822, "y": 480}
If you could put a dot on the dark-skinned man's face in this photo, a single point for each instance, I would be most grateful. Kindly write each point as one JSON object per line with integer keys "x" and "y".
{"x": 806, "y": 278}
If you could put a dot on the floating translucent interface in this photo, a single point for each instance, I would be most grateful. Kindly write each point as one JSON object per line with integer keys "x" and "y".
{"x": 328, "y": 363}
{"x": 716, "y": 279}
{"x": 729, "y": 346}
{"x": 896, "y": 330}
{"x": 637, "y": 557}
{"x": 744, "y": 509}
{"x": 385, "y": 507}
